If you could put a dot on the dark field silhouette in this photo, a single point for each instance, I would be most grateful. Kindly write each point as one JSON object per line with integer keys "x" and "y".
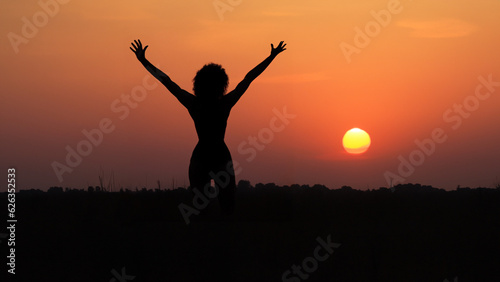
{"x": 414, "y": 233}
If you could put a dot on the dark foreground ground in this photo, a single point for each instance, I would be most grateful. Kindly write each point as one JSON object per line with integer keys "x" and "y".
{"x": 412, "y": 234}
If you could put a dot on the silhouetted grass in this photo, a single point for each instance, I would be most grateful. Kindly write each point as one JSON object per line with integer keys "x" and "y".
{"x": 416, "y": 233}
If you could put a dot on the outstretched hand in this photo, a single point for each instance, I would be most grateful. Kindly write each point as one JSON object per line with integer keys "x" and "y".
{"x": 138, "y": 50}
{"x": 277, "y": 50}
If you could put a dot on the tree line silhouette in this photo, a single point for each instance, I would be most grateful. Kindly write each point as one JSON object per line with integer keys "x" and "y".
{"x": 245, "y": 185}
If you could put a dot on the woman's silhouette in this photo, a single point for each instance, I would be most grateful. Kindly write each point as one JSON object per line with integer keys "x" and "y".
{"x": 209, "y": 108}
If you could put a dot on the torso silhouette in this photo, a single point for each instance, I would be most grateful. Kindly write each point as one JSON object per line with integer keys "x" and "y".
{"x": 210, "y": 119}
{"x": 211, "y": 158}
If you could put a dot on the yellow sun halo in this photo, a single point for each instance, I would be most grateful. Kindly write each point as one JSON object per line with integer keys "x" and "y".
{"x": 356, "y": 141}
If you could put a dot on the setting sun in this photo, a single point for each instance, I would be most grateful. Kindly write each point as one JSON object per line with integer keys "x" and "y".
{"x": 356, "y": 141}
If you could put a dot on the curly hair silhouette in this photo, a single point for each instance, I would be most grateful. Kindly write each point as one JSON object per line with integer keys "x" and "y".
{"x": 209, "y": 108}
{"x": 210, "y": 81}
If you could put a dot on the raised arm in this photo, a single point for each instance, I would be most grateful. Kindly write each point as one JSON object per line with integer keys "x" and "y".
{"x": 240, "y": 89}
{"x": 182, "y": 95}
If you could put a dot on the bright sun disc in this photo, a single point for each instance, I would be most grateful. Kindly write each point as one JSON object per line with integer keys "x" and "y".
{"x": 356, "y": 141}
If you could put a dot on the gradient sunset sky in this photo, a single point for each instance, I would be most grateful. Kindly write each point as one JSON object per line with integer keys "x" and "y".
{"x": 418, "y": 71}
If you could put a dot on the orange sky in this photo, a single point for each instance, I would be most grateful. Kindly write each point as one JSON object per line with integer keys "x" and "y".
{"x": 63, "y": 77}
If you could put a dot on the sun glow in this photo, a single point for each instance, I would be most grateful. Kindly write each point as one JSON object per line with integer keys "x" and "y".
{"x": 356, "y": 141}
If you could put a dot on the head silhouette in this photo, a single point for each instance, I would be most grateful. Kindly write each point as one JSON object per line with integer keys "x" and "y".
{"x": 210, "y": 82}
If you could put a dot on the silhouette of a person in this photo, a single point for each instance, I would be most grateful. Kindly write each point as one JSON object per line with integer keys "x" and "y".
{"x": 209, "y": 108}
